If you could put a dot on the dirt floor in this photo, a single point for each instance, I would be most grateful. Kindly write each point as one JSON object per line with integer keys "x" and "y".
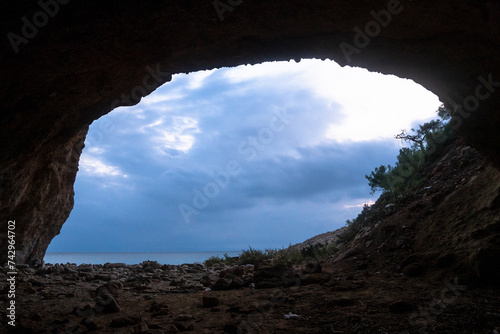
{"x": 331, "y": 301}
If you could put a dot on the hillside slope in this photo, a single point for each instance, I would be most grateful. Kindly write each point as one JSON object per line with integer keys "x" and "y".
{"x": 448, "y": 226}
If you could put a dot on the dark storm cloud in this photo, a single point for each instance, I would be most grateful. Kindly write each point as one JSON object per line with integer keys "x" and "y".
{"x": 316, "y": 170}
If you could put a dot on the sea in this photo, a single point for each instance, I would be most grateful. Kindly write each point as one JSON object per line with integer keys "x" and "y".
{"x": 174, "y": 258}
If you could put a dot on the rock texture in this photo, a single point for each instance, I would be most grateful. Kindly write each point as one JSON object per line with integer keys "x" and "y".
{"x": 65, "y": 64}
{"x": 320, "y": 239}
{"x": 37, "y": 193}
{"x": 449, "y": 225}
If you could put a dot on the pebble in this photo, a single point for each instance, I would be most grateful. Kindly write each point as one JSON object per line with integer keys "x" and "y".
{"x": 291, "y": 316}
{"x": 184, "y": 317}
{"x": 221, "y": 284}
{"x": 177, "y": 282}
{"x": 105, "y": 302}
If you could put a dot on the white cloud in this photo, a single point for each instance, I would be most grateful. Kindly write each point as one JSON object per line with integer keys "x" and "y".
{"x": 178, "y": 134}
{"x": 153, "y": 124}
{"x": 374, "y": 105}
{"x": 262, "y": 71}
{"x": 196, "y": 79}
{"x": 135, "y": 110}
{"x": 95, "y": 150}
{"x": 93, "y": 166}
{"x": 163, "y": 97}
{"x": 358, "y": 205}
{"x": 193, "y": 81}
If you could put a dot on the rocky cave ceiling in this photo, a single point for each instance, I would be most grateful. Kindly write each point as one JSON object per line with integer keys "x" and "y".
{"x": 66, "y": 63}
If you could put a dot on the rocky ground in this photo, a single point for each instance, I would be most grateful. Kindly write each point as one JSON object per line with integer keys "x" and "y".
{"x": 353, "y": 297}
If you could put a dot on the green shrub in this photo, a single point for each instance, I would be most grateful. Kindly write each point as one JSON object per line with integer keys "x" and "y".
{"x": 424, "y": 142}
{"x": 213, "y": 260}
{"x": 276, "y": 256}
{"x": 396, "y": 182}
{"x": 253, "y": 256}
{"x": 401, "y": 178}
{"x": 284, "y": 256}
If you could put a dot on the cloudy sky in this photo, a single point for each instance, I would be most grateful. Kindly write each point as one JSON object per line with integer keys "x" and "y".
{"x": 263, "y": 155}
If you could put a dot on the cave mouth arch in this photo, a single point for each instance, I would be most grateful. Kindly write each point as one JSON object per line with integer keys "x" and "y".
{"x": 183, "y": 136}
{"x": 79, "y": 63}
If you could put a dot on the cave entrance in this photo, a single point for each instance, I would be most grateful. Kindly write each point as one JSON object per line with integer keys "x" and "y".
{"x": 262, "y": 155}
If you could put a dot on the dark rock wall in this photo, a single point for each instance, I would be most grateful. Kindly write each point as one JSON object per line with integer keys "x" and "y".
{"x": 37, "y": 193}
{"x": 66, "y": 63}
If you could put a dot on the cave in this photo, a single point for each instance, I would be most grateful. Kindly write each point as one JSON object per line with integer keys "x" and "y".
{"x": 67, "y": 63}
